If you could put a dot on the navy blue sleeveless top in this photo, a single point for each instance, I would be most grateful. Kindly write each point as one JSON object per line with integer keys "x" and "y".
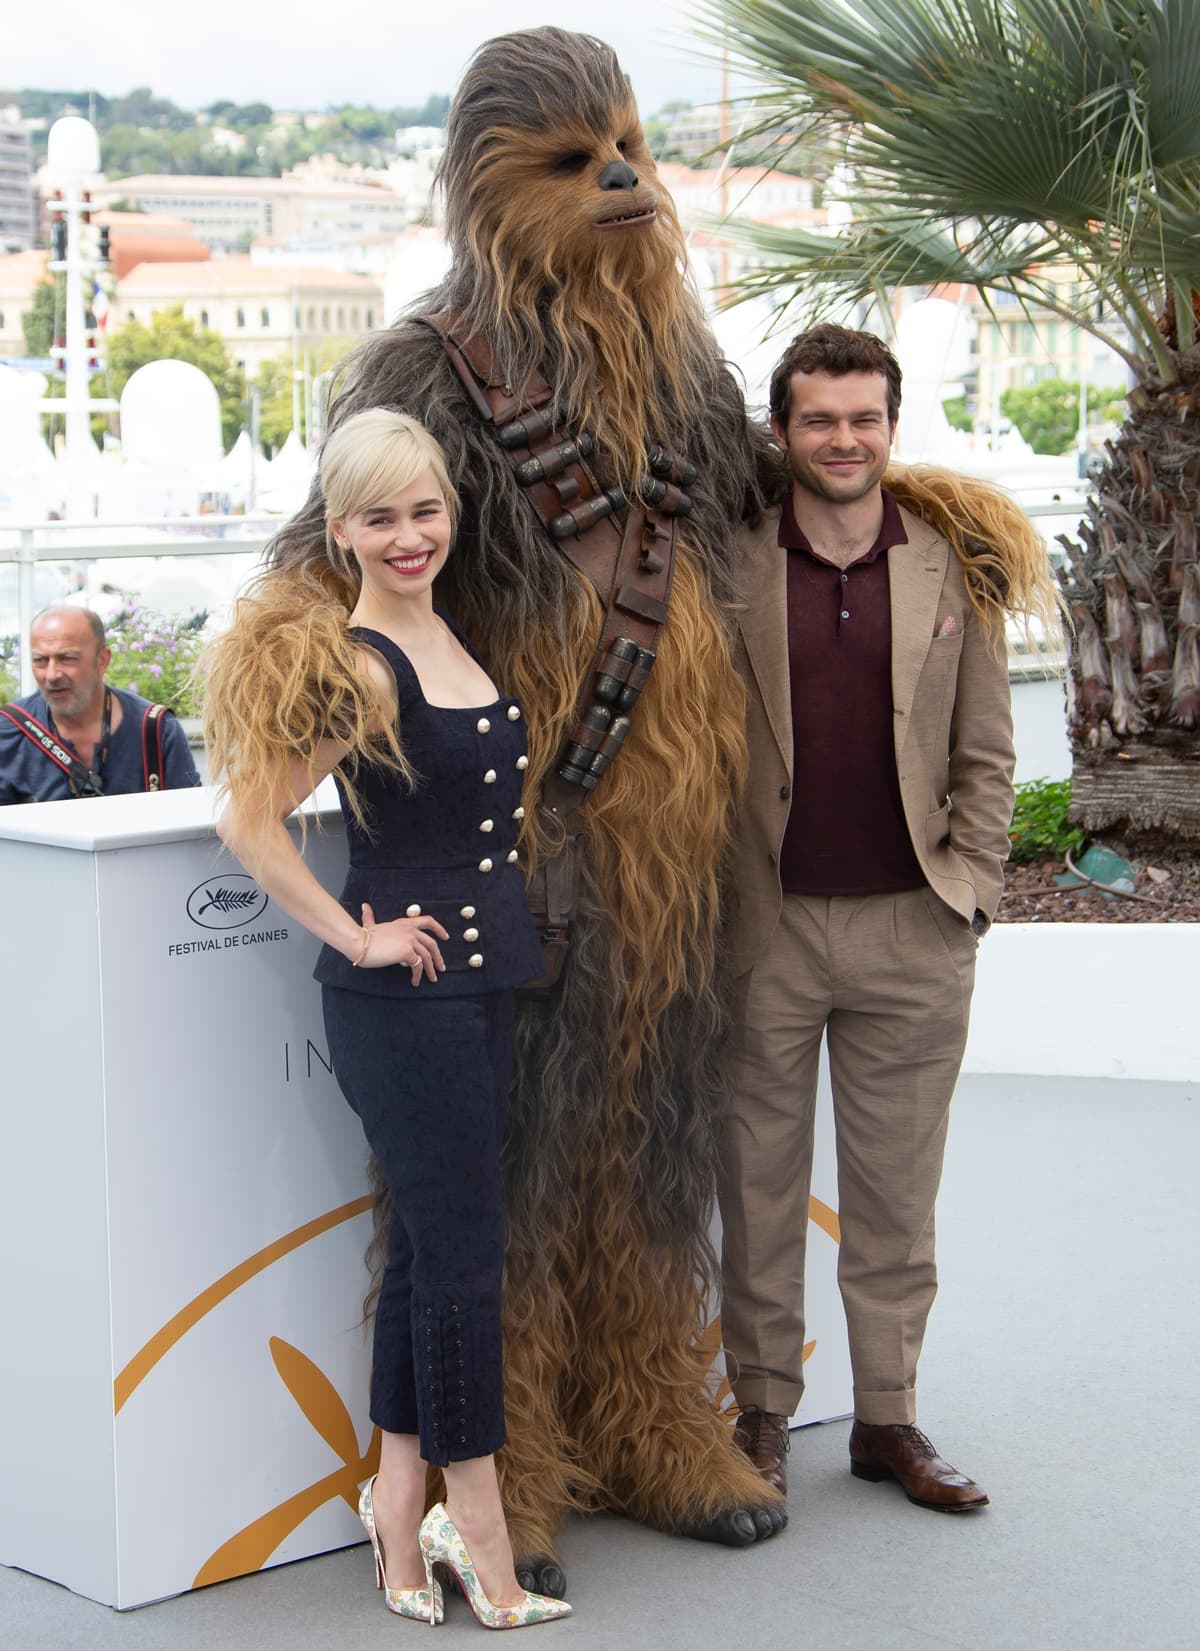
{"x": 445, "y": 847}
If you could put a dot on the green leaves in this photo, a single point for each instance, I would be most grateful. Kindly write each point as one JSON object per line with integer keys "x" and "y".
{"x": 1040, "y": 825}
{"x": 986, "y": 141}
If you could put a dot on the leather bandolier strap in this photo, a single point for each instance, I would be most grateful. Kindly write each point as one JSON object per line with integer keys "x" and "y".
{"x": 625, "y": 548}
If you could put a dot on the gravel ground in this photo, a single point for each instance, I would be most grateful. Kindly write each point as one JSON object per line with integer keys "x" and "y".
{"x": 1172, "y": 895}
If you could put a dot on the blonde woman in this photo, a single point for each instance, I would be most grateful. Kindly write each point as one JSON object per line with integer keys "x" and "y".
{"x": 338, "y": 662}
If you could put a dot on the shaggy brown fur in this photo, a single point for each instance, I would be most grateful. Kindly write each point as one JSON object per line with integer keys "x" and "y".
{"x": 1005, "y": 566}
{"x": 610, "y": 1156}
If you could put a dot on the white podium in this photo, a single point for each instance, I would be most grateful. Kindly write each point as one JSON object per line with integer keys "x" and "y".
{"x": 183, "y": 1206}
{"x": 184, "y": 1213}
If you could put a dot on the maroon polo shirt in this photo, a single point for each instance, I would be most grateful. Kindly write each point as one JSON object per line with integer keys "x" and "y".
{"x": 846, "y": 832}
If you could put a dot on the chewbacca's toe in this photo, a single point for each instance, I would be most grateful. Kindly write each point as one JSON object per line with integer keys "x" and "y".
{"x": 542, "y": 1576}
{"x": 770, "y": 1521}
{"x": 734, "y": 1527}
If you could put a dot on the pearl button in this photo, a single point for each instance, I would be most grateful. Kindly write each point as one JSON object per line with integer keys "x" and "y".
{"x": 476, "y": 960}
{"x": 522, "y": 762}
{"x": 485, "y": 865}
{"x": 467, "y": 911}
{"x": 412, "y": 911}
{"x": 514, "y": 711}
{"x": 518, "y": 814}
{"x": 470, "y": 934}
{"x": 486, "y": 825}
{"x": 512, "y": 857}
{"x": 490, "y": 777}
{"x": 483, "y": 726}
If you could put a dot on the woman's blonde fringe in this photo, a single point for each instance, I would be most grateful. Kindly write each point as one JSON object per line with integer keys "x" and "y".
{"x": 1005, "y": 564}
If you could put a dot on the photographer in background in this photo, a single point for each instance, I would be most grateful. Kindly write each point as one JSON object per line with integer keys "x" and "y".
{"x": 77, "y": 737}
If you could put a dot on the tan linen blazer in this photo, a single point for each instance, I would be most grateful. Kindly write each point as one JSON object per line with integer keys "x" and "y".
{"x": 952, "y": 721}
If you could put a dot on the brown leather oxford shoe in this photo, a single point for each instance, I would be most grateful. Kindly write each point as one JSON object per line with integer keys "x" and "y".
{"x": 763, "y": 1436}
{"x": 901, "y": 1452}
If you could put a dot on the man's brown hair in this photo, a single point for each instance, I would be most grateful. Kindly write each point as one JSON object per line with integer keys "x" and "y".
{"x": 836, "y": 350}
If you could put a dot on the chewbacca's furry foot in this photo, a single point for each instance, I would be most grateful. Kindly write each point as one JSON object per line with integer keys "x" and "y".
{"x": 542, "y": 1575}
{"x": 738, "y": 1527}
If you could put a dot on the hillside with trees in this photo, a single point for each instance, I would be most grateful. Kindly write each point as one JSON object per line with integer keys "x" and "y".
{"x": 140, "y": 132}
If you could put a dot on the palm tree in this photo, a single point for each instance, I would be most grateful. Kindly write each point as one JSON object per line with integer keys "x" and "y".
{"x": 1048, "y": 150}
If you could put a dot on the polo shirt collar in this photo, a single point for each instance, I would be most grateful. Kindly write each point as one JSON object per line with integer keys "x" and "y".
{"x": 891, "y": 531}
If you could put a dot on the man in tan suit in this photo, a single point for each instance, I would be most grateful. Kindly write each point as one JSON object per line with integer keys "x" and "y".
{"x": 870, "y": 859}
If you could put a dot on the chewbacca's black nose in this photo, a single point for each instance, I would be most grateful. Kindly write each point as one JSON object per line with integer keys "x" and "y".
{"x": 618, "y": 175}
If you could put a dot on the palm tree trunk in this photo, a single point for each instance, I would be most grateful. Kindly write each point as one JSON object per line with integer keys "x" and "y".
{"x": 1133, "y": 588}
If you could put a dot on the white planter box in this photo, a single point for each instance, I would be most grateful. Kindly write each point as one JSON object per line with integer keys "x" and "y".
{"x": 1087, "y": 1000}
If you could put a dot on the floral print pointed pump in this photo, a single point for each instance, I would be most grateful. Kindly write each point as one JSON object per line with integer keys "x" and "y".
{"x": 442, "y": 1545}
{"x": 425, "y": 1604}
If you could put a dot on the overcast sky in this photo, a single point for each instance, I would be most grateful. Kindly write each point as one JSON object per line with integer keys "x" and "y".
{"x": 307, "y": 55}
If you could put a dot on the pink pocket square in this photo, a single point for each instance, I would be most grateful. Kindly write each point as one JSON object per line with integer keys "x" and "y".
{"x": 948, "y": 627}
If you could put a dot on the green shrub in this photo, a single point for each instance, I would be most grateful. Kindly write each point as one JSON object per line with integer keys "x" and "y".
{"x": 10, "y": 669}
{"x": 1040, "y": 828}
{"x": 154, "y": 655}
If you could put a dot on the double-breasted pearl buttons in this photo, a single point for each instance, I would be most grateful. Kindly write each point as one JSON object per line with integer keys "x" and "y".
{"x": 470, "y": 934}
{"x": 476, "y": 960}
{"x": 490, "y": 777}
{"x": 485, "y": 865}
{"x": 466, "y": 911}
{"x": 522, "y": 762}
{"x": 512, "y": 857}
{"x": 514, "y": 711}
{"x": 412, "y": 911}
{"x": 486, "y": 825}
{"x": 483, "y": 726}
{"x": 518, "y": 813}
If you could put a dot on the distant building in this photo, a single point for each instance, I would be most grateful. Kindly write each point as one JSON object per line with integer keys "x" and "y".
{"x": 1016, "y": 347}
{"x": 18, "y": 215}
{"x": 409, "y": 139}
{"x": 754, "y": 192}
{"x": 228, "y": 213}
{"x": 259, "y": 310}
{"x": 149, "y": 238}
{"x": 701, "y": 131}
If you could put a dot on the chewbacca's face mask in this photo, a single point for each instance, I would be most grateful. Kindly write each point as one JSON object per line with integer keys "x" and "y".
{"x": 574, "y": 197}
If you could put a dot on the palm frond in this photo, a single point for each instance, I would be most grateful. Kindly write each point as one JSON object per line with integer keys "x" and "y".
{"x": 1064, "y": 130}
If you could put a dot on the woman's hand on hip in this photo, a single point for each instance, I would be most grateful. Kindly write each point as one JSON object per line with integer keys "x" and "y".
{"x": 409, "y": 941}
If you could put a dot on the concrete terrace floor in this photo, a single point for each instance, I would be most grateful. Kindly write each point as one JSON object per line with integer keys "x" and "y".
{"x": 1060, "y": 1369}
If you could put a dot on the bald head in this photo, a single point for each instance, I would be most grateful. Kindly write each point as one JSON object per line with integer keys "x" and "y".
{"x": 77, "y": 620}
{"x": 69, "y": 661}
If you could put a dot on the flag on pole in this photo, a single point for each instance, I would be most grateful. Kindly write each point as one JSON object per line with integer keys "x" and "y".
{"x": 99, "y": 304}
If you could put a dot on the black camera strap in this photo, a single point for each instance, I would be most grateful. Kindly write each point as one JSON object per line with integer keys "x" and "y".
{"x": 81, "y": 779}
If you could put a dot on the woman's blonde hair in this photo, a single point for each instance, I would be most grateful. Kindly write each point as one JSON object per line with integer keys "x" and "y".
{"x": 287, "y": 673}
{"x": 372, "y": 455}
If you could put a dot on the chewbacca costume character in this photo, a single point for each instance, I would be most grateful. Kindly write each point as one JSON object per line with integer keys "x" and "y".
{"x": 567, "y": 270}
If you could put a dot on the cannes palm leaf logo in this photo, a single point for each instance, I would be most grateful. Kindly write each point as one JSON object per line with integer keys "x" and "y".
{"x": 226, "y": 903}
{"x": 228, "y": 900}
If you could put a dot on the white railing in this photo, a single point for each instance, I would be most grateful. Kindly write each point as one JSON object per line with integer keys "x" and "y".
{"x": 27, "y": 544}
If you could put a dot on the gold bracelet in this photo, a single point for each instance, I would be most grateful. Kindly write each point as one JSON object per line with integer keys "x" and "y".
{"x": 366, "y": 946}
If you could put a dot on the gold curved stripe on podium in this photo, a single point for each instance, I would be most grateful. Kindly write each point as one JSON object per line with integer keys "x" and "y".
{"x": 821, "y": 1215}
{"x": 162, "y": 1341}
{"x": 323, "y": 1408}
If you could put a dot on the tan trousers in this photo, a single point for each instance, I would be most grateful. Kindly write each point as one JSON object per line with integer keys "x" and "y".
{"x": 887, "y": 979}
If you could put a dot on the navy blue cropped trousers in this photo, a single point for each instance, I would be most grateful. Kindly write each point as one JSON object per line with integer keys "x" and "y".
{"x": 430, "y": 1080}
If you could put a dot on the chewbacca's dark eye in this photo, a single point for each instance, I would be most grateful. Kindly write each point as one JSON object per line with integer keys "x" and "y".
{"x": 622, "y": 146}
{"x": 574, "y": 162}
